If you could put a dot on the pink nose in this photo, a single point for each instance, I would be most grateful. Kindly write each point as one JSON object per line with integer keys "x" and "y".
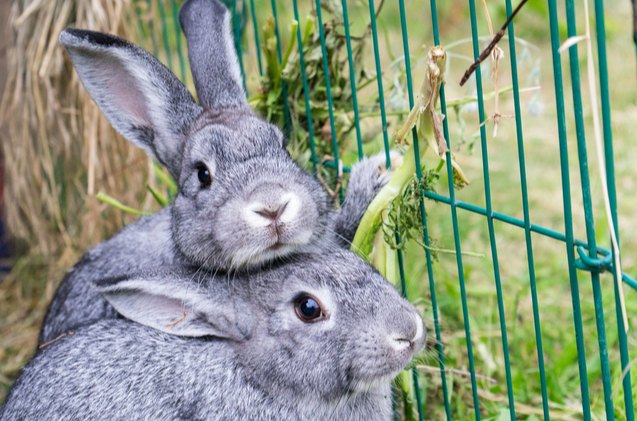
{"x": 272, "y": 212}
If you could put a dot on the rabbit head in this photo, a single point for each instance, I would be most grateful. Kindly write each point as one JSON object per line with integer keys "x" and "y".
{"x": 322, "y": 327}
{"x": 242, "y": 200}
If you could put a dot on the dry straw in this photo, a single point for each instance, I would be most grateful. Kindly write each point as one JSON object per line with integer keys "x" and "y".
{"x": 59, "y": 152}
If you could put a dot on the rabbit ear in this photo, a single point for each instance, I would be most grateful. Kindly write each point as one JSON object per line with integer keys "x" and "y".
{"x": 165, "y": 303}
{"x": 213, "y": 59}
{"x": 142, "y": 99}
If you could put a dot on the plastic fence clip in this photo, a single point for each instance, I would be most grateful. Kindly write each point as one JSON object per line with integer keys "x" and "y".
{"x": 601, "y": 264}
{"x": 594, "y": 264}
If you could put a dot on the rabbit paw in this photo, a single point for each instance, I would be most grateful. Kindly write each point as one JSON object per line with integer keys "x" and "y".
{"x": 372, "y": 173}
{"x": 384, "y": 173}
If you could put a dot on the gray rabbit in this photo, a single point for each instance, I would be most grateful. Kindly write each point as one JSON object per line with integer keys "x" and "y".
{"x": 318, "y": 338}
{"x": 242, "y": 201}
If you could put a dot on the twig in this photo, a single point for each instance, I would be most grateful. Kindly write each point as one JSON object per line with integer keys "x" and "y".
{"x": 179, "y": 320}
{"x": 63, "y": 335}
{"x": 448, "y": 251}
{"x": 485, "y": 53}
{"x": 486, "y": 12}
{"x": 558, "y": 412}
{"x": 333, "y": 193}
{"x": 431, "y": 369}
{"x": 454, "y": 102}
{"x": 496, "y": 56}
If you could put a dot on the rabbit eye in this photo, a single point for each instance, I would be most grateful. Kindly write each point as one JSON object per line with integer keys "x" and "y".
{"x": 308, "y": 309}
{"x": 203, "y": 174}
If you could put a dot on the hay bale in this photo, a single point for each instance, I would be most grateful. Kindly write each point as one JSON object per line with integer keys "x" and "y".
{"x": 59, "y": 151}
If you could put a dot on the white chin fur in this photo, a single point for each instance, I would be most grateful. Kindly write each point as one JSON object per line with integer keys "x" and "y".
{"x": 255, "y": 257}
{"x": 364, "y": 386}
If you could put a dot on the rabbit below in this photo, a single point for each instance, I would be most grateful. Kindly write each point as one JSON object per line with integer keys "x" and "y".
{"x": 242, "y": 201}
{"x": 318, "y": 338}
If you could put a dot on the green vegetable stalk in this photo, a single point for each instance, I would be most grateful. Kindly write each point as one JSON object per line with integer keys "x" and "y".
{"x": 430, "y": 132}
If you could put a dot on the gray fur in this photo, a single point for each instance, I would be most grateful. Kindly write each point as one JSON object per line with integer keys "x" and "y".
{"x": 142, "y": 99}
{"x": 367, "y": 177}
{"x": 140, "y": 247}
{"x": 277, "y": 368}
{"x": 212, "y": 56}
{"x": 207, "y": 225}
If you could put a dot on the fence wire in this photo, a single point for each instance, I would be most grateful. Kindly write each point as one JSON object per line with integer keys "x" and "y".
{"x": 591, "y": 257}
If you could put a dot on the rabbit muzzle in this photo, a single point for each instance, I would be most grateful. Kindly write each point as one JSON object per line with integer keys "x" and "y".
{"x": 277, "y": 213}
{"x": 382, "y": 352}
{"x": 405, "y": 335}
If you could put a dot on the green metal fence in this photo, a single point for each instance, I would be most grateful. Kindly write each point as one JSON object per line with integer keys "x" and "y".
{"x": 583, "y": 255}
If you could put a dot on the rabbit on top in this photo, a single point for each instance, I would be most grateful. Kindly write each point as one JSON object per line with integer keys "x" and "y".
{"x": 242, "y": 203}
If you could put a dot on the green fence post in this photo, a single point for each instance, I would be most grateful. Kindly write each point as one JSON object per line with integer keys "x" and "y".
{"x": 525, "y": 208}
{"x": 236, "y": 28}
{"x": 610, "y": 178}
{"x": 568, "y": 219}
{"x": 352, "y": 80}
{"x": 286, "y": 106}
{"x": 328, "y": 92}
{"x": 487, "y": 198}
{"x": 456, "y": 231}
{"x": 257, "y": 43}
{"x": 588, "y": 210}
{"x": 423, "y": 218}
{"x": 180, "y": 51}
{"x": 164, "y": 32}
{"x": 306, "y": 89}
{"x": 379, "y": 81}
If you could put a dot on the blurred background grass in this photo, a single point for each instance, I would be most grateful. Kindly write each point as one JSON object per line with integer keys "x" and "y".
{"x": 59, "y": 153}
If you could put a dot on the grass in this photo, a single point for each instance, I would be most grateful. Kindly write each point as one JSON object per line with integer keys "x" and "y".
{"x": 25, "y": 294}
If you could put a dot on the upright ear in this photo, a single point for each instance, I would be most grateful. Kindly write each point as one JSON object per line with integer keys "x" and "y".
{"x": 143, "y": 100}
{"x": 213, "y": 59}
{"x": 175, "y": 304}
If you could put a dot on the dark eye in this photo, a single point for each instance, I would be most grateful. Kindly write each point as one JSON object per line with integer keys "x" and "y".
{"x": 203, "y": 174}
{"x": 308, "y": 308}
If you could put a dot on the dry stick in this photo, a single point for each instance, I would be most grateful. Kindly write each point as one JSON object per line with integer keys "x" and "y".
{"x": 432, "y": 369}
{"x": 486, "y": 12}
{"x": 57, "y": 338}
{"x": 179, "y": 320}
{"x": 485, "y": 53}
{"x": 333, "y": 193}
{"x": 496, "y": 55}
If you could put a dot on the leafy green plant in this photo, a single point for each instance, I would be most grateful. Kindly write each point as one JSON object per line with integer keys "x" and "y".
{"x": 281, "y": 96}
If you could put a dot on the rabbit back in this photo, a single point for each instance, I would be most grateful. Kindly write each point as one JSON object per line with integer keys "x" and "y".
{"x": 141, "y": 247}
{"x": 119, "y": 369}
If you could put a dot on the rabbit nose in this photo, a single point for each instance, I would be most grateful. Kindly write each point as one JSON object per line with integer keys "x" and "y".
{"x": 272, "y": 213}
{"x": 278, "y": 210}
{"x": 409, "y": 333}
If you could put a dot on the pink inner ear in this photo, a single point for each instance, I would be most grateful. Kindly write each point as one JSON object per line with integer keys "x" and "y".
{"x": 122, "y": 86}
{"x": 169, "y": 308}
